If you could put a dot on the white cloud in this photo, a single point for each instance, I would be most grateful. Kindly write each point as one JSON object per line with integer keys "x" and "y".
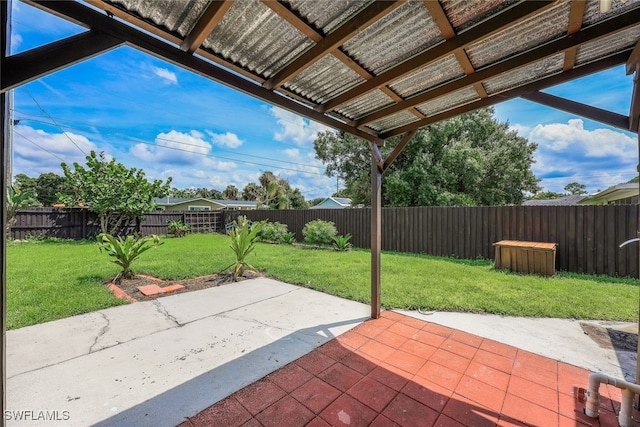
{"x": 568, "y": 152}
{"x": 521, "y": 130}
{"x": 168, "y": 76}
{"x": 228, "y": 139}
{"x": 296, "y": 128}
{"x": 174, "y": 148}
{"x": 36, "y": 151}
{"x": 16, "y": 40}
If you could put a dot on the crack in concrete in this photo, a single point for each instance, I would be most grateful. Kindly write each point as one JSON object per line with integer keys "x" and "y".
{"x": 222, "y": 313}
{"x": 162, "y": 310}
{"x": 101, "y": 332}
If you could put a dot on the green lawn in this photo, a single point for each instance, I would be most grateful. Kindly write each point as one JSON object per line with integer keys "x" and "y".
{"x": 51, "y": 280}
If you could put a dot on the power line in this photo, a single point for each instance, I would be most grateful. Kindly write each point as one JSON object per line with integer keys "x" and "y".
{"x": 211, "y": 155}
{"x": 53, "y": 120}
{"x": 39, "y": 146}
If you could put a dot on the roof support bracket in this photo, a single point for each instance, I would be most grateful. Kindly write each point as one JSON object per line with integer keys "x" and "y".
{"x": 633, "y": 66}
{"x": 26, "y": 66}
{"x": 593, "y": 113}
{"x": 397, "y": 150}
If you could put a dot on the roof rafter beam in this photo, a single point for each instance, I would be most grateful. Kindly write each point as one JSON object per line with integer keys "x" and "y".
{"x": 474, "y": 34}
{"x": 447, "y": 31}
{"x": 207, "y": 22}
{"x": 576, "y": 14}
{"x": 314, "y": 35}
{"x": 26, "y": 66}
{"x": 594, "y": 32}
{"x": 593, "y": 67}
{"x": 156, "y": 47}
{"x": 398, "y": 149}
{"x": 337, "y": 38}
{"x": 593, "y": 113}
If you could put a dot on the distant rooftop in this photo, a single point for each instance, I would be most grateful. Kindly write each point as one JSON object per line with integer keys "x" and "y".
{"x": 561, "y": 201}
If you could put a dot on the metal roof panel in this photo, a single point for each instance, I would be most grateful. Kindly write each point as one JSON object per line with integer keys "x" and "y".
{"x": 464, "y": 13}
{"x": 445, "y": 69}
{"x": 591, "y": 51}
{"x": 327, "y": 15}
{"x": 177, "y": 17}
{"x": 325, "y": 79}
{"x": 254, "y": 37}
{"x": 447, "y": 102}
{"x": 530, "y": 33}
{"x": 592, "y": 14}
{"x": 524, "y": 75}
{"x": 390, "y": 122}
{"x": 394, "y": 38}
{"x": 365, "y": 104}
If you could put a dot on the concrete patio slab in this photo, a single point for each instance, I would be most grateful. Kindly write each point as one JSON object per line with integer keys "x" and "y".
{"x": 155, "y": 363}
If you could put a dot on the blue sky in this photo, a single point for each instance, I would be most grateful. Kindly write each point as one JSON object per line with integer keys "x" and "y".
{"x": 127, "y": 104}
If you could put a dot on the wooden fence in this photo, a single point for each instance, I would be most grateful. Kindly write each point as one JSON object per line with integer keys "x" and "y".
{"x": 587, "y": 236}
{"x": 80, "y": 224}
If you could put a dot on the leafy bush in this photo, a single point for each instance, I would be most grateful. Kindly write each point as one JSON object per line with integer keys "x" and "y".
{"x": 273, "y": 232}
{"x": 243, "y": 235}
{"x": 178, "y": 228}
{"x": 342, "y": 243}
{"x": 288, "y": 238}
{"x": 125, "y": 250}
{"x": 318, "y": 232}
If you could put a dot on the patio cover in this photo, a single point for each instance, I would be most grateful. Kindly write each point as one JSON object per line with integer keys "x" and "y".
{"x": 375, "y": 69}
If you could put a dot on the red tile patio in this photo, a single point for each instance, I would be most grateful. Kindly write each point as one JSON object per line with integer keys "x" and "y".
{"x": 400, "y": 371}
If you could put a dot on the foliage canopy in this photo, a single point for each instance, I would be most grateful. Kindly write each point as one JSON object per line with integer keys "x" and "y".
{"x": 469, "y": 160}
{"x": 111, "y": 190}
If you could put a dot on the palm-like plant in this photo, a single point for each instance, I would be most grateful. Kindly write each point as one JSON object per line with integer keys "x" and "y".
{"x": 243, "y": 241}
{"x": 17, "y": 200}
{"x": 125, "y": 250}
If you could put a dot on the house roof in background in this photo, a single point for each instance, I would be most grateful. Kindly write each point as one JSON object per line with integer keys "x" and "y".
{"x": 333, "y": 202}
{"x": 372, "y": 68}
{"x": 561, "y": 201}
{"x": 170, "y": 201}
{"x": 617, "y": 192}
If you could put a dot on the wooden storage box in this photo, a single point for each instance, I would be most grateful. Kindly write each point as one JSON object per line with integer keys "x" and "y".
{"x": 526, "y": 257}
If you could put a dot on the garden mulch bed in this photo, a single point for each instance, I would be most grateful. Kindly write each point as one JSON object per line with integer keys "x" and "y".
{"x": 130, "y": 286}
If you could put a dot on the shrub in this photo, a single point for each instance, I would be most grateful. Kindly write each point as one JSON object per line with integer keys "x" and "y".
{"x": 125, "y": 250}
{"x": 178, "y": 228}
{"x": 318, "y": 232}
{"x": 342, "y": 243}
{"x": 243, "y": 235}
{"x": 273, "y": 232}
{"x": 288, "y": 238}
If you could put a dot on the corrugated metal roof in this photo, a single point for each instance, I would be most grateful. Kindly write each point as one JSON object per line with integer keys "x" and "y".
{"x": 447, "y": 68}
{"x": 399, "y": 119}
{"x": 394, "y": 38}
{"x": 529, "y": 33}
{"x": 325, "y": 79}
{"x": 607, "y": 45}
{"x": 327, "y": 15}
{"x": 365, "y": 104}
{"x": 399, "y": 49}
{"x": 254, "y": 37}
{"x": 447, "y": 102}
{"x": 172, "y": 15}
{"x": 527, "y": 74}
{"x": 463, "y": 14}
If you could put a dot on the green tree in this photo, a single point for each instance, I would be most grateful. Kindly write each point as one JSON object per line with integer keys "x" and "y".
{"x": 296, "y": 200}
{"x": 17, "y": 199}
{"x": 575, "y": 188}
{"x": 48, "y": 185}
{"x": 23, "y": 182}
{"x": 253, "y": 192}
{"x": 315, "y": 201}
{"x": 111, "y": 190}
{"x": 231, "y": 192}
{"x": 469, "y": 160}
